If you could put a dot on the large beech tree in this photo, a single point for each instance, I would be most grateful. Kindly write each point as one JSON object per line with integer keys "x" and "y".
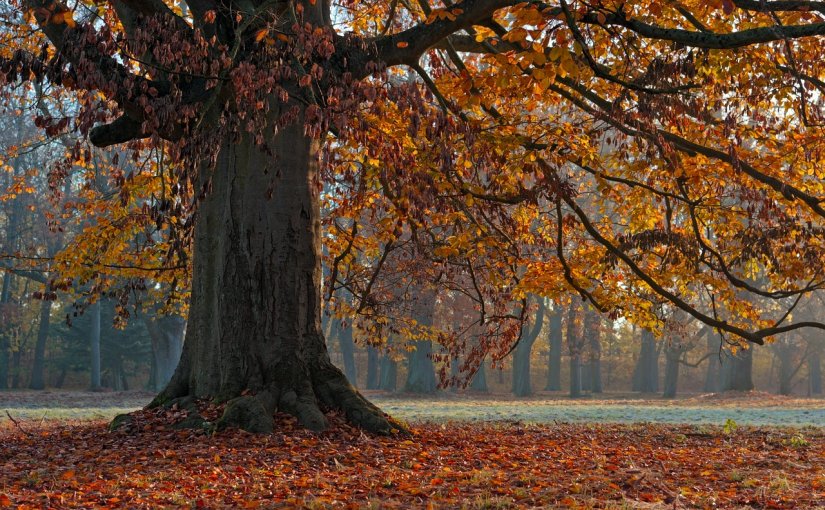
{"x": 615, "y": 149}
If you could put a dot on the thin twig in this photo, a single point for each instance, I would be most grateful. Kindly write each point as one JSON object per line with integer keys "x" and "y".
{"x": 17, "y": 424}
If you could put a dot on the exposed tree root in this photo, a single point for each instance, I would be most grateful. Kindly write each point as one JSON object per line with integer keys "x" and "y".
{"x": 334, "y": 391}
{"x": 302, "y": 391}
{"x": 246, "y": 413}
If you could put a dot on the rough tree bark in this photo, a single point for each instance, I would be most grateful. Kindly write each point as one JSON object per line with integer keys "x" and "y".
{"x": 255, "y": 313}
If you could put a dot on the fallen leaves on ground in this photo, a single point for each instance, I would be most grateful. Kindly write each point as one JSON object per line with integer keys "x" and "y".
{"x": 475, "y": 465}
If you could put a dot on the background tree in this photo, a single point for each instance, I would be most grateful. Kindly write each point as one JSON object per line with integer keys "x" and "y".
{"x": 522, "y": 384}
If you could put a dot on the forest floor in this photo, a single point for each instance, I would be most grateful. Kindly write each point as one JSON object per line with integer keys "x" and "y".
{"x": 71, "y": 464}
{"x": 57, "y": 452}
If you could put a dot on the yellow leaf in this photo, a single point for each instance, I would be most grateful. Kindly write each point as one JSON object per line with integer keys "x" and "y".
{"x": 260, "y": 34}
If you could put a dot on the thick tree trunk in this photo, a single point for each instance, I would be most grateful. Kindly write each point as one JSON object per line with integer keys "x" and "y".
{"x": 373, "y": 377}
{"x": 554, "y": 339}
{"x": 167, "y": 334}
{"x": 815, "y": 373}
{"x": 38, "y": 377}
{"x": 389, "y": 374}
{"x": 646, "y": 374}
{"x": 94, "y": 345}
{"x": 255, "y": 313}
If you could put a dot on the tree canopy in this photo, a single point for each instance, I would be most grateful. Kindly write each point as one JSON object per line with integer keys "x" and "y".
{"x": 634, "y": 153}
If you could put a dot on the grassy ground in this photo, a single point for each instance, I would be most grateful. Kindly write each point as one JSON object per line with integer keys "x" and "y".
{"x": 752, "y": 408}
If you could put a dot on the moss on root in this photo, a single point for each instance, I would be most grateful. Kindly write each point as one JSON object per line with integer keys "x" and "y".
{"x": 247, "y": 413}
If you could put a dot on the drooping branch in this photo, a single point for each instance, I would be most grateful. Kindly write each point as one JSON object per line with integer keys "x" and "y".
{"x": 757, "y": 337}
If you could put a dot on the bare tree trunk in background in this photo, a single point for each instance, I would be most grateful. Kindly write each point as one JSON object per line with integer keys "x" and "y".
{"x": 12, "y": 240}
{"x": 554, "y": 340}
{"x": 478, "y": 383}
{"x": 672, "y": 356}
{"x": 574, "y": 348}
{"x": 94, "y": 345}
{"x": 522, "y": 384}
{"x": 784, "y": 352}
{"x": 38, "y": 377}
{"x": 646, "y": 374}
{"x": 389, "y": 374}
{"x": 373, "y": 381}
{"x": 594, "y": 338}
{"x": 420, "y": 368}
{"x": 5, "y": 333}
{"x": 815, "y": 373}
{"x": 343, "y": 332}
{"x": 737, "y": 371}
{"x": 713, "y": 376}
{"x": 166, "y": 332}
